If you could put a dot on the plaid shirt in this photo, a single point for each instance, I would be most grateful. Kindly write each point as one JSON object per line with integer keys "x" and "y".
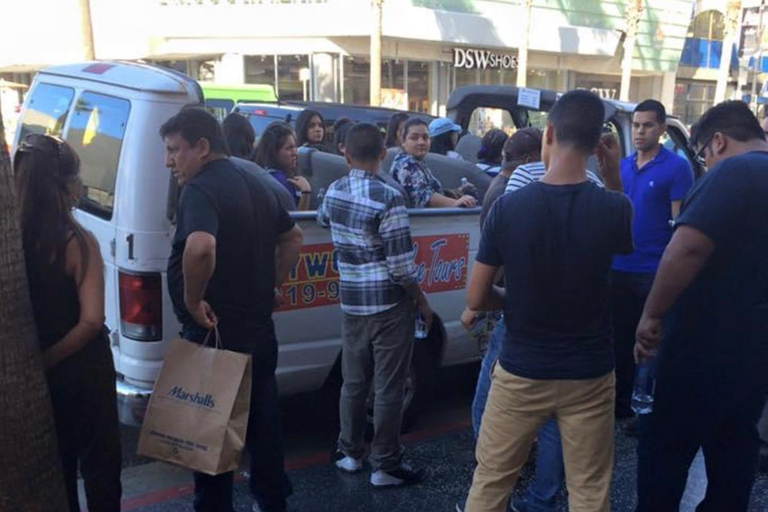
{"x": 370, "y": 231}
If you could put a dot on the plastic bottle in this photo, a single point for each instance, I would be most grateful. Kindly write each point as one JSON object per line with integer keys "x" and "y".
{"x": 645, "y": 386}
{"x": 420, "y": 332}
{"x": 320, "y": 196}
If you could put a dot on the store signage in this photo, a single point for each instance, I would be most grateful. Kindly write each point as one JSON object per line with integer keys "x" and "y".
{"x": 482, "y": 59}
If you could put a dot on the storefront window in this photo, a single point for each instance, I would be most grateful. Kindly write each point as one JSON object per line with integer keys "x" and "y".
{"x": 692, "y": 100}
{"x": 260, "y": 69}
{"x": 419, "y": 78}
{"x": 293, "y": 77}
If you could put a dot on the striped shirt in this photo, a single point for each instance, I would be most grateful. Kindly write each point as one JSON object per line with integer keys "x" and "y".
{"x": 528, "y": 173}
{"x": 372, "y": 237}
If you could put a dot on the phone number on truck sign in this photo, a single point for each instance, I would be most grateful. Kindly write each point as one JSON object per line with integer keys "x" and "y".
{"x": 441, "y": 265}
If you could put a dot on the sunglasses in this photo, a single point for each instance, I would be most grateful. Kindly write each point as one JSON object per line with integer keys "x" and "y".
{"x": 699, "y": 155}
{"x": 45, "y": 144}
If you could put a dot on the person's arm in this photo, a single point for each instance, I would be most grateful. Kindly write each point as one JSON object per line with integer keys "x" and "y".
{"x": 287, "y": 253}
{"x": 395, "y": 232}
{"x": 438, "y": 200}
{"x": 198, "y": 263}
{"x": 675, "y": 205}
{"x": 90, "y": 294}
{"x": 482, "y": 295}
{"x": 305, "y": 189}
{"x": 685, "y": 256}
{"x": 608, "y": 153}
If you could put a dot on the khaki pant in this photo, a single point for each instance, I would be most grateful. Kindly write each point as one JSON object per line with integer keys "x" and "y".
{"x": 516, "y": 409}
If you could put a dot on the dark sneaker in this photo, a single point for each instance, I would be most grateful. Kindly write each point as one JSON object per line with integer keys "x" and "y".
{"x": 347, "y": 463}
{"x": 400, "y": 477}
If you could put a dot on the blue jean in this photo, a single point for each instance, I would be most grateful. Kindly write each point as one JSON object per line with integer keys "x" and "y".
{"x": 550, "y": 472}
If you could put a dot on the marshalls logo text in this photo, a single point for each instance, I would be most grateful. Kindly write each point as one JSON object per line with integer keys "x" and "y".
{"x": 193, "y": 398}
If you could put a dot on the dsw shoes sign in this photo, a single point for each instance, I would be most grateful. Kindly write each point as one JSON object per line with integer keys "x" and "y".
{"x": 482, "y": 59}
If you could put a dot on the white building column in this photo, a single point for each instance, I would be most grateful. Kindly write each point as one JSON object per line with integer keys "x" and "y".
{"x": 323, "y": 81}
{"x": 230, "y": 69}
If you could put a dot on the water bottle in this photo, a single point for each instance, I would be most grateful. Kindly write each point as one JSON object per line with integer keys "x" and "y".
{"x": 420, "y": 332}
{"x": 645, "y": 386}
{"x": 464, "y": 182}
{"x": 320, "y": 196}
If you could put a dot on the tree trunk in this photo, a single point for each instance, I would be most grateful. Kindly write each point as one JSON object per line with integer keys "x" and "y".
{"x": 30, "y": 477}
{"x": 375, "y": 88}
{"x": 634, "y": 8}
{"x": 522, "y": 53}
{"x": 86, "y": 29}
{"x": 732, "y": 11}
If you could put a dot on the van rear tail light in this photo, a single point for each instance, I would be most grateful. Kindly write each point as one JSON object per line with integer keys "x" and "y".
{"x": 141, "y": 306}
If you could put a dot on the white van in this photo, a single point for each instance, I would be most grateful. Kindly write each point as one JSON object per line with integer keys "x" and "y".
{"x": 111, "y": 112}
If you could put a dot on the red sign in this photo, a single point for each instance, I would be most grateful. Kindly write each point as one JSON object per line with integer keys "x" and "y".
{"x": 441, "y": 265}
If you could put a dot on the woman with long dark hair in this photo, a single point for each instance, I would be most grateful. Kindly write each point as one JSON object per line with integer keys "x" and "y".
{"x": 310, "y": 130}
{"x": 277, "y": 152}
{"x": 411, "y": 171}
{"x": 394, "y": 137}
{"x": 66, "y": 284}
{"x": 240, "y": 135}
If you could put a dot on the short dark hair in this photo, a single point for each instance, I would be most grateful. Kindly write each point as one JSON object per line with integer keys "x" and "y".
{"x": 364, "y": 143}
{"x": 272, "y": 139}
{"x": 340, "y": 133}
{"x": 653, "y": 106}
{"x": 492, "y": 146}
{"x": 195, "y": 123}
{"x": 302, "y": 125}
{"x": 392, "y": 126}
{"x": 731, "y": 118}
{"x": 522, "y": 143}
{"x": 578, "y": 118}
{"x": 239, "y": 134}
{"x": 414, "y": 121}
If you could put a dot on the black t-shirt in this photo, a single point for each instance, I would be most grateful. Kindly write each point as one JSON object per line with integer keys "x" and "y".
{"x": 723, "y": 314}
{"x": 246, "y": 219}
{"x": 556, "y": 243}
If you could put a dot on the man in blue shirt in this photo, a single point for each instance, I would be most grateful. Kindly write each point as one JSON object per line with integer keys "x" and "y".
{"x": 655, "y": 180}
{"x": 711, "y": 289}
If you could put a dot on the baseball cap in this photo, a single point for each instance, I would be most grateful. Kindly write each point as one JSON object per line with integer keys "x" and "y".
{"x": 442, "y": 125}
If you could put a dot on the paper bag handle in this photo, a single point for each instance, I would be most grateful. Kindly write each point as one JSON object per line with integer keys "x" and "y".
{"x": 217, "y": 338}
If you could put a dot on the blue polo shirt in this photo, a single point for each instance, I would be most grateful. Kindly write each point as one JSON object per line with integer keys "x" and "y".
{"x": 666, "y": 178}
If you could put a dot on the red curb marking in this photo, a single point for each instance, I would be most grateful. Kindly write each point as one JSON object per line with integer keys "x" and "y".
{"x": 292, "y": 464}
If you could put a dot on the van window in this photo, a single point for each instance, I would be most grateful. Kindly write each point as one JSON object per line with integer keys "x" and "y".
{"x": 96, "y": 134}
{"x": 485, "y": 119}
{"x": 47, "y": 110}
{"x": 219, "y": 108}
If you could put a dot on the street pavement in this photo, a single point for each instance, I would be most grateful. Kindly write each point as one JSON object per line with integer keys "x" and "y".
{"x": 442, "y": 443}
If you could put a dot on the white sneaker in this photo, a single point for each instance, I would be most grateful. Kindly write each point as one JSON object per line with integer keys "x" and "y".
{"x": 349, "y": 464}
{"x": 400, "y": 477}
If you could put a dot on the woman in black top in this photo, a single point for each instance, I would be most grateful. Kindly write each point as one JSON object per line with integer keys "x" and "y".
{"x": 310, "y": 131}
{"x": 66, "y": 283}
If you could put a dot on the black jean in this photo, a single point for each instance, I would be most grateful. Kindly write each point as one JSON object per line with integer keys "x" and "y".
{"x": 628, "y": 295}
{"x": 268, "y": 482}
{"x": 711, "y": 403}
{"x": 85, "y": 414}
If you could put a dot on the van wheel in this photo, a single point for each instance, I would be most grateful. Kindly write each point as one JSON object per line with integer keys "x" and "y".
{"x": 418, "y": 387}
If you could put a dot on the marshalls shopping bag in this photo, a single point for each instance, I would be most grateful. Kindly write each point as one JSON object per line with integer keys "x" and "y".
{"x": 198, "y": 414}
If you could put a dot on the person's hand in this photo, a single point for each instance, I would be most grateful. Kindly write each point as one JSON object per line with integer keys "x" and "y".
{"x": 203, "y": 314}
{"x": 608, "y": 153}
{"x": 301, "y": 184}
{"x": 647, "y": 338}
{"x": 279, "y": 298}
{"x": 468, "y": 318}
{"x": 426, "y": 311}
{"x": 465, "y": 202}
{"x": 468, "y": 189}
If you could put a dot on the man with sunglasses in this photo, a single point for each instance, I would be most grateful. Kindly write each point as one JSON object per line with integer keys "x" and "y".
{"x": 655, "y": 180}
{"x": 711, "y": 289}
